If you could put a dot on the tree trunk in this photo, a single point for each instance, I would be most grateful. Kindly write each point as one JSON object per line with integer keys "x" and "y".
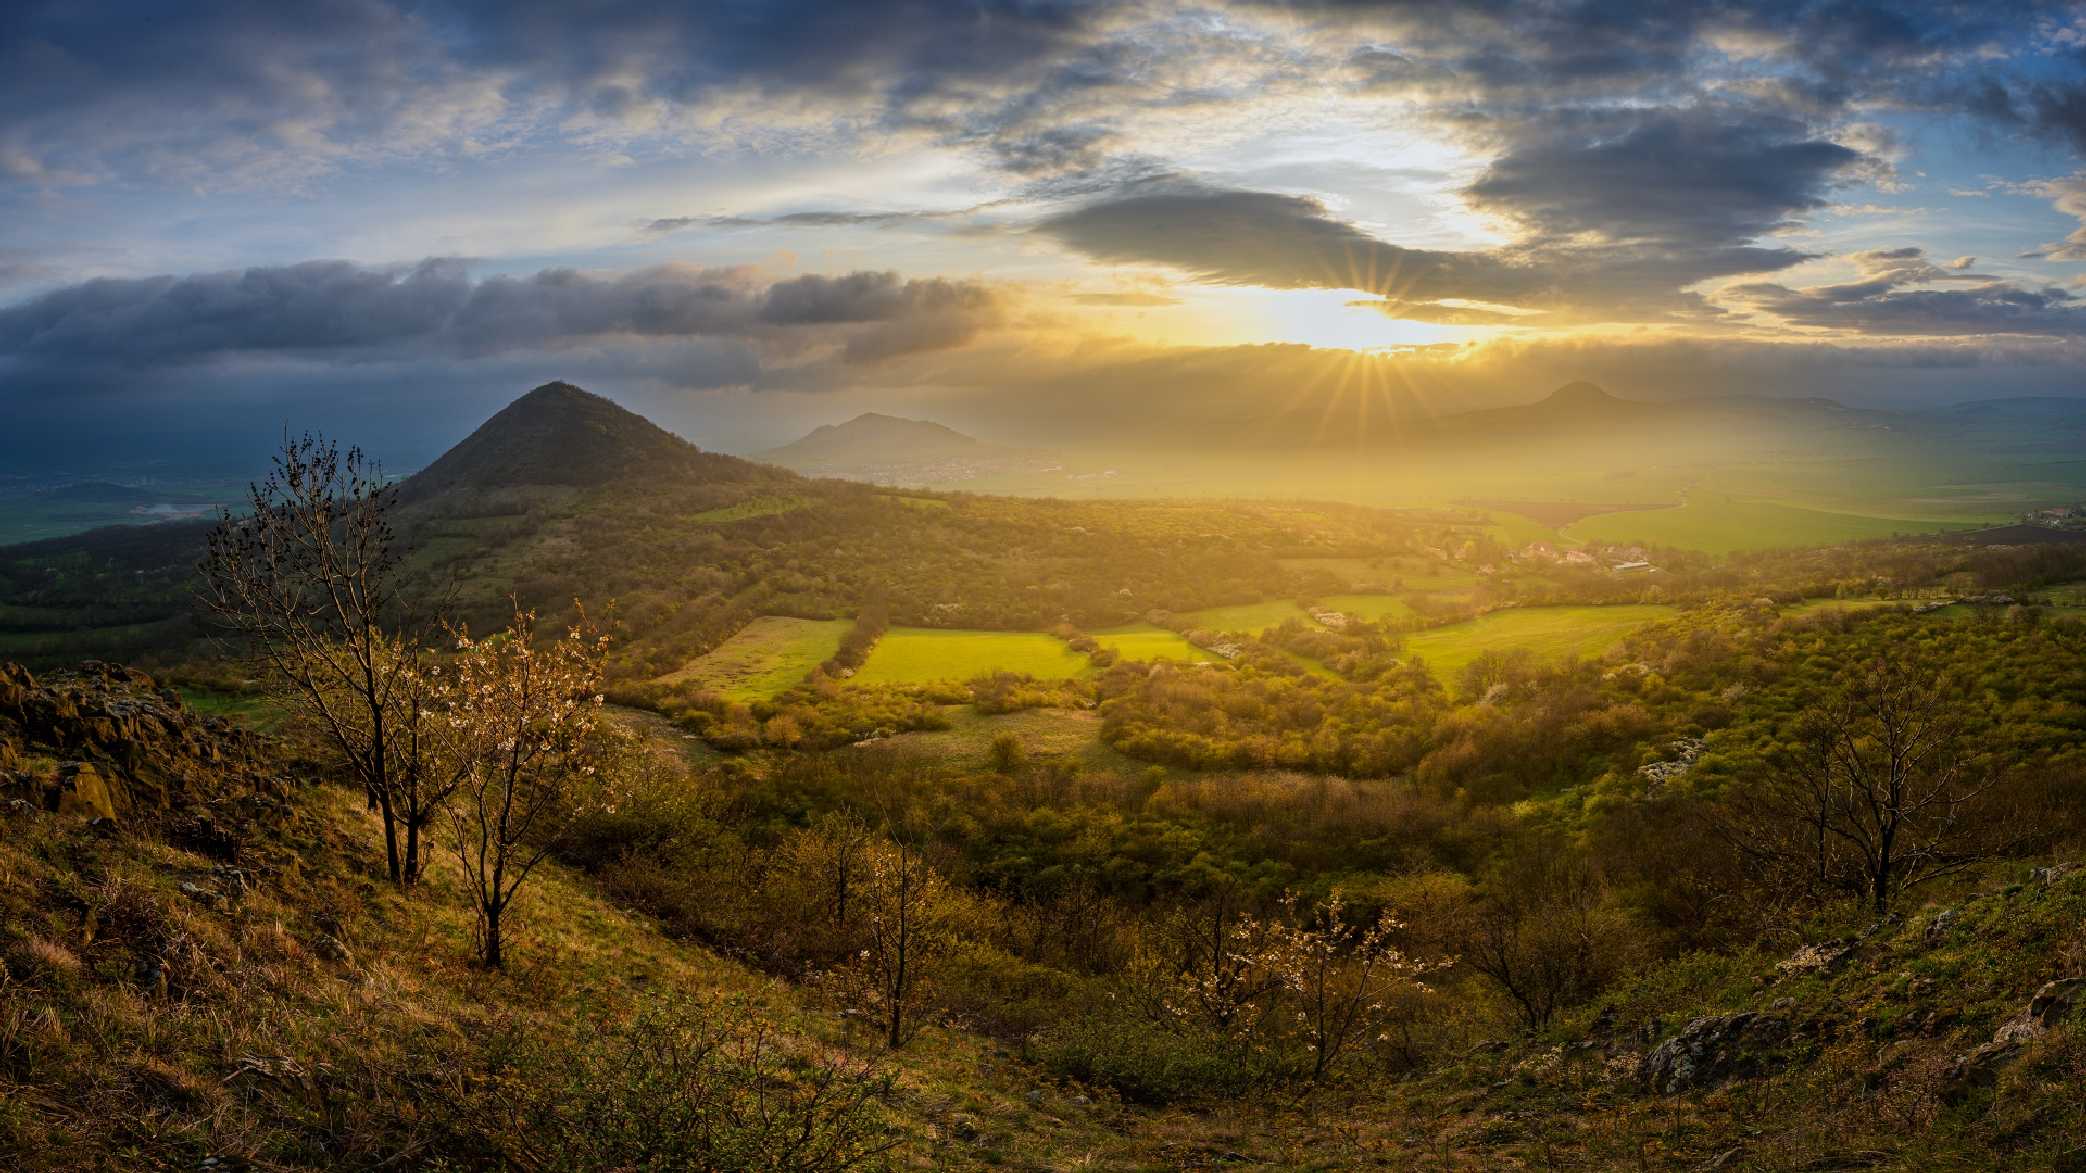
{"x": 412, "y": 870}
{"x": 390, "y": 817}
{"x": 493, "y": 959}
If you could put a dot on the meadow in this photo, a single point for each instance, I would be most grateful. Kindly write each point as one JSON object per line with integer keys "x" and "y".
{"x": 1549, "y": 633}
{"x": 767, "y": 656}
{"x": 1250, "y": 618}
{"x": 1374, "y": 608}
{"x": 922, "y": 655}
{"x": 1143, "y": 641}
{"x": 1723, "y": 525}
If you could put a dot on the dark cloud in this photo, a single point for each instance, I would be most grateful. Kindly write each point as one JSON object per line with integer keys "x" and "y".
{"x": 1701, "y": 177}
{"x": 1262, "y": 238}
{"x": 352, "y": 312}
{"x": 1291, "y": 242}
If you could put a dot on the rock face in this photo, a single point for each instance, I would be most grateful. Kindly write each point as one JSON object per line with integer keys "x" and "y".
{"x": 1712, "y": 1049}
{"x": 106, "y": 742}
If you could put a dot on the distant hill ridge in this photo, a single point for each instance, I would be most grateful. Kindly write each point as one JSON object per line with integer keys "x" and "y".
{"x": 561, "y": 435}
{"x": 876, "y": 438}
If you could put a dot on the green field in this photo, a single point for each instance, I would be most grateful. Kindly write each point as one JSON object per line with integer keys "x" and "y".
{"x": 1721, "y": 525}
{"x": 747, "y": 510}
{"x": 767, "y": 656}
{"x": 2069, "y": 594}
{"x": 1042, "y": 732}
{"x": 1512, "y": 529}
{"x": 1550, "y": 633}
{"x": 1143, "y": 641}
{"x": 919, "y": 655}
{"x": 1250, "y": 618}
{"x": 1374, "y": 608}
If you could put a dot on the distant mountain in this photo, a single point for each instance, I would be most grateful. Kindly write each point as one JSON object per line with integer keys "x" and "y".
{"x": 1583, "y": 407}
{"x": 561, "y": 436}
{"x": 103, "y": 493}
{"x": 875, "y": 438}
{"x": 891, "y": 450}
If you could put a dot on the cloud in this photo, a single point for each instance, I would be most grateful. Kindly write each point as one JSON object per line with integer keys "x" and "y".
{"x": 2067, "y": 195}
{"x": 357, "y": 313}
{"x": 1697, "y": 177}
{"x": 1891, "y": 298}
{"x": 1232, "y": 237}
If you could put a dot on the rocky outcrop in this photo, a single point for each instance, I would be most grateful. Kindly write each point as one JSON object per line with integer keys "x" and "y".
{"x": 106, "y": 742}
{"x": 2050, "y": 1004}
{"x": 1821, "y": 958}
{"x": 1712, "y": 1049}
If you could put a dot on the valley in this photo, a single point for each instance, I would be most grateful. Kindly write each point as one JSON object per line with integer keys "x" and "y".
{"x": 1486, "y": 765}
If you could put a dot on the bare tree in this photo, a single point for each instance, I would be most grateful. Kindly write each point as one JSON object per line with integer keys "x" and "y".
{"x": 906, "y": 908}
{"x": 523, "y": 736}
{"x": 1546, "y": 935}
{"x": 308, "y": 579}
{"x": 1878, "y": 792}
{"x": 847, "y": 838}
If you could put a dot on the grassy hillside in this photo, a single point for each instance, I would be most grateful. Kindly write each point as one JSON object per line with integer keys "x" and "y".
{"x": 769, "y": 655}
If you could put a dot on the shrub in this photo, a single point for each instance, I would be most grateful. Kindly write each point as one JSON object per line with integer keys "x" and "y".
{"x": 683, "y": 1084}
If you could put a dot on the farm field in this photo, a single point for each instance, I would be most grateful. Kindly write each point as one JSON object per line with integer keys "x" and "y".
{"x": 920, "y": 655}
{"x": 1250, "y": 618}
{"x": 1517, "y": 530}
{"x": 1549, "y": 633}
{"x": 767, "y": 656}
{"x": 1143, "y": 641}
{"x": 1042, "y": 732}
{"x": 1723, "y": 525}
{"x": 1374, "y": 608}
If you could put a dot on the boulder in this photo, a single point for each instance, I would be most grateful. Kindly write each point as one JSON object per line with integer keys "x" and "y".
{"x": 1712, "y": 1049}
{"x": 84, "y": 793}
{"x": 1821, "y": 958}
{"x": 2055, "y": 872}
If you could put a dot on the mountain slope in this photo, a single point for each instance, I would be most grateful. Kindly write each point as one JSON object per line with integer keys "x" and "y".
{"x": 560, "y": 435}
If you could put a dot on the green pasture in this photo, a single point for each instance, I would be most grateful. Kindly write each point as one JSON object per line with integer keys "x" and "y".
{"x": 1250, "y": 618}
{"x": 767, "y": 656}
{"x": 1374, "y": 608}
{"x": 919, "y": 655}
{"x": 1144, "y": 641}
{"x": 1548, "y": 633}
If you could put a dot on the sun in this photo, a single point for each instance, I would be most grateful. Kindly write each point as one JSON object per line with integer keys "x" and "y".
{"x": 1326, "y": 318}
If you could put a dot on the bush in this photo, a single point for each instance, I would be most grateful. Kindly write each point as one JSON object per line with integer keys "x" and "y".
{"x": 1142, "y": 1060}
{"x": 683, "y": 1084}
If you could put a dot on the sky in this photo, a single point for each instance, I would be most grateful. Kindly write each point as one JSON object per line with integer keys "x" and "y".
{"x": 1038, "y": 220}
